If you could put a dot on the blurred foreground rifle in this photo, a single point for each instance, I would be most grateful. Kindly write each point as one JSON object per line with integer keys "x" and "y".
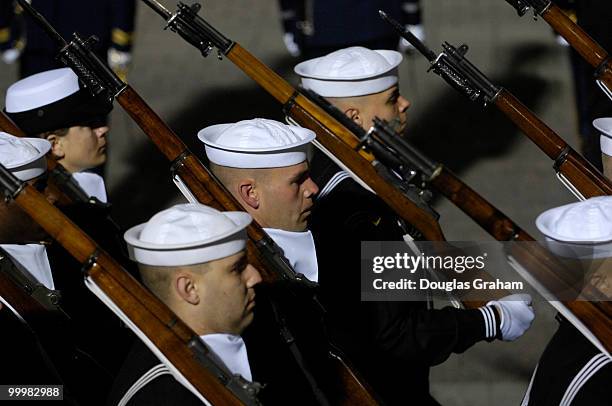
{"x": 575, "y": 172}
{"x": 176, "y": 341}
{"x": 587, "y": 47}
{"x": 331, "y": 135}
{"x": 8, "y": 126}
{"x": 412, "y": 167}
{"x": 185, "y": 167}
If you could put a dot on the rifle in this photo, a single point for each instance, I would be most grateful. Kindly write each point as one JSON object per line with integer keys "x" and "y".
{"x": 575, "y": 172}
{"x": 7, "y": 125}
{"x": 587, "y": 47}
{"x": 332, "y": 136}
{"x": 202, "y": 186}
{"x": 413, "y": 167}
{"x": 140, "y": 308}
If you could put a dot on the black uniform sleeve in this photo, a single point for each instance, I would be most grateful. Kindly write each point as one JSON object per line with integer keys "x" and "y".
{"x": 289, "y": 14}
{"x": 122, "y": 24}
{"x": 6, "y": 16}
{"x": 404, "y": 330}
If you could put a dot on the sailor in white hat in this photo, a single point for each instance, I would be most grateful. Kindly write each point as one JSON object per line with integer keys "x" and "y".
{"x": 193, "y": 258}
{"x": 20, "y": 236}
{"x": 263, "y": 164}
{"x": 604, "y": 125}
{"x": 363, "y": 84}
{"x": 53, "y": 105}
{"x": 573, "y": 371}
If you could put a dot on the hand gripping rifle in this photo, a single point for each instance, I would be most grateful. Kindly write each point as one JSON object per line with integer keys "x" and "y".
{"x": 138, "y": 307}
{"x": 334, "y": 137}
{"x": 575, "y": 172}
{"x": 202, "y": 185}
{"x": 586, "y": 46}
{"x": 412, "y": 167}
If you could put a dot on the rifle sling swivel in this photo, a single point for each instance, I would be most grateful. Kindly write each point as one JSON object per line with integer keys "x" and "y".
{"x": 288, "y": 106}
{"x": 90, "y": 262}
{"x": 601, "y": 68}
{"x": 178, "y": 162}
{"x": 561, "y": 158}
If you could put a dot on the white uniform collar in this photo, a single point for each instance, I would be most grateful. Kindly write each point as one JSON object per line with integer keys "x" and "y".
{"x": 92, "y": 184}
{"x": 299, "y": 248}
{"x": 232, "y": 350}
{"x": 33, "y": 257}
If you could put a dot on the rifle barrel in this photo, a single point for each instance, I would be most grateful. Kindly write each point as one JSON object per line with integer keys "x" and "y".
{"x": 408, "y": 36}
{"x": 42, "y": 21}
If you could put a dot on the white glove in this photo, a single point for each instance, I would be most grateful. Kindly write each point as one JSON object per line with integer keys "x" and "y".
{"x": 119, "y": 62}
{"x": 10, "y": 55}
{"x": 291, "y": 45}
{"x": 516, "y": 315}
{"x": 418, "y": 31}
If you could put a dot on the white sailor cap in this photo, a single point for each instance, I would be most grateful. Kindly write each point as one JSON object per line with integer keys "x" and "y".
{"x": 52, "y": 100}
{"x": 354, "y": 71}
{"x": 582, "y": 230}
{"x": 24, "y": 157}
{"x": 256, "y": 143}
{"x": 187, "y": 234}
{"x": 605, "y": 126}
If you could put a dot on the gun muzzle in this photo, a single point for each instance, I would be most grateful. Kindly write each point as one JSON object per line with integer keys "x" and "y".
{"x": 408, "y": 36}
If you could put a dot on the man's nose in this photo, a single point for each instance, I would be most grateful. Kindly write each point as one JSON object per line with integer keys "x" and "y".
{"x": 403, "y": 104}
{"x": 101, "y": 131}
{"x": 251, "y": 276}
{"x": 311, "y": 187}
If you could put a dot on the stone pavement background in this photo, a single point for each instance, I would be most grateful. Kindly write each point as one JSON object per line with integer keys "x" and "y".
{"x": 481, "y": 146}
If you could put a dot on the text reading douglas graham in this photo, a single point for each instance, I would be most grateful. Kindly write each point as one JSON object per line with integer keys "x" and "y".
{"x": 435, "y": 263}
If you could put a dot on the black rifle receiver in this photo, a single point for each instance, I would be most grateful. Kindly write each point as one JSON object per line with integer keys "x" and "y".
{"x": 398, "y": 161}
{"x": 522, "y": 6}
{"x": 452, "y": 66}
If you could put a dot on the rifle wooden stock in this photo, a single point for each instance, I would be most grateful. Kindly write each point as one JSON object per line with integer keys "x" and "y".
{"x": 24, "y": 304}
{"x": 155, "y": 319}
{"x": 581, "y": 173}
{"x": 586, "y": 46}
{"x": 336, "y": 138}
{"x": 7, "y": 125}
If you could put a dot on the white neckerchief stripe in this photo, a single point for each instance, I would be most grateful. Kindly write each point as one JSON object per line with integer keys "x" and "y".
{"x": 150, "y": 375}
{"x": 590, "y": 369}
{"x": 333, "y": 182}
{"x": 525, "y": 401}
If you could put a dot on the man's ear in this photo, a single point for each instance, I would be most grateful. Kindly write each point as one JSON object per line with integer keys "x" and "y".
{"x": 186, "y": 289}
{"x": 57, "y": 148}
{"x": 354, "y": 115}
{"x": 248, "y": 193}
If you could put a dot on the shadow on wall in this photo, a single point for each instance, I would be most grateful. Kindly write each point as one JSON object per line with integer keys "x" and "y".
{"x": 457, "y": 132}
{"x": 149, "y": 186}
